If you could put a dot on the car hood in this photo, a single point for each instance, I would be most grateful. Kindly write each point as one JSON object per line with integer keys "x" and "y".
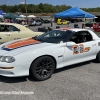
{"x": 14, "y": 48}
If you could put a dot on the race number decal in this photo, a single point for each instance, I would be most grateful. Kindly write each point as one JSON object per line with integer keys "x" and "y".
{"x": 80, "y": 49}
{"x": 75, "y": 49}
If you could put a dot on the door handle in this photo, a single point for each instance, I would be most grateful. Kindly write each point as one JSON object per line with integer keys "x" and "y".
{"x": 7, "y": 34}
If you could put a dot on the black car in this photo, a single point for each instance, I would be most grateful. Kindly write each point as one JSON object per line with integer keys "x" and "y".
{"x": 46, "y": 21}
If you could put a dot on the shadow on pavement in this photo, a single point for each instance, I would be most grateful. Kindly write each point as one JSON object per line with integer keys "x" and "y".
{"x": 16, "y": 79}
{"x": 30, "y": 78}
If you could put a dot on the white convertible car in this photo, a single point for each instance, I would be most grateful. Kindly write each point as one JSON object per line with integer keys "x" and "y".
{"x": 40, "y": 56}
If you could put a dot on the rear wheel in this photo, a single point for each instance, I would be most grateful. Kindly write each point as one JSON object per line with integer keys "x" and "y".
{"x": 42, "y": 68}
{"x": 98, "y": 57}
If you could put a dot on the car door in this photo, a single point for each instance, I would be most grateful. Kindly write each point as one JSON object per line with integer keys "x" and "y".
{"x": 84, "y": 50}
{"x": 15, "y": 32}
{"x": 5, "y": 35}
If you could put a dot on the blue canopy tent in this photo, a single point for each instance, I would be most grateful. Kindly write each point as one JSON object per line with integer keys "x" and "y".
{"x": 74, "y": 13}
{"x": 2, "y": 12}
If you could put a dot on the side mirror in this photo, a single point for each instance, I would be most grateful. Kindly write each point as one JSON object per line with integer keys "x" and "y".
{"x": 68, "y": 44}
{"x": 18, "y": 30}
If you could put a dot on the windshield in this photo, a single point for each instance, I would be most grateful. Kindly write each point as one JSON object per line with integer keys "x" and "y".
{"x": 55, "y": 36}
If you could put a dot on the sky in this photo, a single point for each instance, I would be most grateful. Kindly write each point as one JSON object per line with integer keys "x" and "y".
{"x": 73, "y": 3}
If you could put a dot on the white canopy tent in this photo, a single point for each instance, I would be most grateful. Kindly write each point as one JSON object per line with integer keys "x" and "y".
{"x": 92, "y": 18}
{"x": 20, "y": 19}
{"x": 1, "y": 16}
{"x": 22, "y": 16}
{"x": 31, "y": 16}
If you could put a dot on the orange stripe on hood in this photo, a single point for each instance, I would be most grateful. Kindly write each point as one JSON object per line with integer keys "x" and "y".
{"x": 22, "y": 43}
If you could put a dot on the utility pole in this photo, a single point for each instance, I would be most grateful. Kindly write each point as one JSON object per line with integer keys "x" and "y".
{"x": 26, "y": 12}
{"x": 25, "y": 7}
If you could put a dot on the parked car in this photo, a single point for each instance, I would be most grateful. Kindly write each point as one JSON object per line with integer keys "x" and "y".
{"x": 35, "y": 22}
{"x": 40, "y": 56}
{"x": 46, "y": 21}
{"x": 12, "y": 31}
{"x": 62, "y": 21}
{"x": 91, "y": 24}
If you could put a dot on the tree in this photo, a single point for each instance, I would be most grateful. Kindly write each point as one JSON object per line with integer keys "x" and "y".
{"x": 42, "y": 8}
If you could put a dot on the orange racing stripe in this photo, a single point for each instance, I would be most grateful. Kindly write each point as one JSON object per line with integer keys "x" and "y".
{"x": 22, "y": 43}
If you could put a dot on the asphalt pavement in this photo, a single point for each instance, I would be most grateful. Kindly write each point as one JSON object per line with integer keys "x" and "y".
{"x": 76, "y": 82}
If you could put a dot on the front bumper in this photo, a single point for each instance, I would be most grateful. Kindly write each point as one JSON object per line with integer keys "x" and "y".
{"x": 16, "y": 71}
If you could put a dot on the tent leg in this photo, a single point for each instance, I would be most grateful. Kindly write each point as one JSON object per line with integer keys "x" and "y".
{"x": 84, "y": 22}
{"x": 54, "y": 23}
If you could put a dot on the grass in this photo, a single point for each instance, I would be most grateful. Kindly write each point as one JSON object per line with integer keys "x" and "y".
{"x": 40, "y": 14}
{"x": 52, "y": 14}
{"x": 97, "y": 33}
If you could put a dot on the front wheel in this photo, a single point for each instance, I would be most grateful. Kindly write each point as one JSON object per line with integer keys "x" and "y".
{"x": 42, "y": 68}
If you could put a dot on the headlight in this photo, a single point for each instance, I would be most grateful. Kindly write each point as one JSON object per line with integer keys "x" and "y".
{"x": 7, "y": 59}
{"x": 3, "y": 58}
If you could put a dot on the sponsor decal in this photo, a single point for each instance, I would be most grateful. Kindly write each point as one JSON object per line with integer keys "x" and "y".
{"x": 80, "y": 49}
{"x": 20, "y": 44}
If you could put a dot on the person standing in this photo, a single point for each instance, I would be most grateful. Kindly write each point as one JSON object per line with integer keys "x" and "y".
{"x": 27, "y": 21}
{"x": 23, "y": 22}
{"x": 8, "y": 20}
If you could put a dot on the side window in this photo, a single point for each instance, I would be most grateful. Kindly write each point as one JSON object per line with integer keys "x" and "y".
{"x": 13, "y": 28}
{"x": 82, "y": 36}
{"x": 4, "y": 28}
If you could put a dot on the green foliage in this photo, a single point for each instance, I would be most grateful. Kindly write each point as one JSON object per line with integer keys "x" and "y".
{"x": 42, "y": 8}
{"x": 31, "y": 8}
{"x": 91, "y": 9}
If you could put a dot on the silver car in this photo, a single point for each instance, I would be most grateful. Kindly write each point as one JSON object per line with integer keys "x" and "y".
{"x": 35, "y": 22}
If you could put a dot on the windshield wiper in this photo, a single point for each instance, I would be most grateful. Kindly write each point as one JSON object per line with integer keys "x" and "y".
{"x": 35, "y": 37}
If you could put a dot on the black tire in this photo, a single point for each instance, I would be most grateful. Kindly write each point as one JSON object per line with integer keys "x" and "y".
{"x": 98, "y": 57}
{"x": 42, "y": 68}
